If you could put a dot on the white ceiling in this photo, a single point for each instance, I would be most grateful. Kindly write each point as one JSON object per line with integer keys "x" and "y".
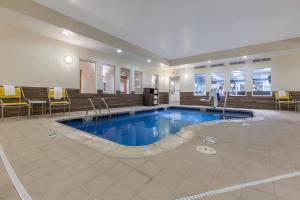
{"x": 181, "y": 28}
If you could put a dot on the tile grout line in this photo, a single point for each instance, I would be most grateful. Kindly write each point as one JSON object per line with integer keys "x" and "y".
{"x": 14, "y": 178}
{"x": 238, "y": 187}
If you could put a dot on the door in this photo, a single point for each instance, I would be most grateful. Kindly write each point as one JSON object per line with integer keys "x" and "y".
{"x": 174, "y": 94}
{"x": 87, "y": 77}
{"x": 124, "y": 85}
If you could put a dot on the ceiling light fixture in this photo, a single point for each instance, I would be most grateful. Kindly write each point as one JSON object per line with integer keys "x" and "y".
{"x": 66, "y": 33}
{"x": 149, "y": 61}
{"x": 209, "y": 62}
{"x": 245, "y": 57}
{"x": 162, "y": 64}
{"x": 119, "y": 50}
{"x": 68, "y": 59}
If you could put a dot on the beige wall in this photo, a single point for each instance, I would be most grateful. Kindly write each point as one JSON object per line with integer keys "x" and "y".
{"x": 285, "y": 73}
{"x": 29, "y": 59}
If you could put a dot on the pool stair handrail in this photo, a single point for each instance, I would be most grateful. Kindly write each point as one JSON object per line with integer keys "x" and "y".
{"x": 225, "y": 105}
{"x": 90, "y": 102}
{"x": 107, "y": 107}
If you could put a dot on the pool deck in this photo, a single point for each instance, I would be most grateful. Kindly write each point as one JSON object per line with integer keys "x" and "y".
{"x": 66, "y": 167}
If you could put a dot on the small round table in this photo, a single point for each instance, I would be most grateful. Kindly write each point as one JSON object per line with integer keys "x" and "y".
{"x": 43, "y": 103}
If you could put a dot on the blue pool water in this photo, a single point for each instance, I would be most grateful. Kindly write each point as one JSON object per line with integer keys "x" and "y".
{"x": 143, "y": 128}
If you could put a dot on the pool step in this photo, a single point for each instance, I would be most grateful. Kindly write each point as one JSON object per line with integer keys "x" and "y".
{"x": 234, "y": 116}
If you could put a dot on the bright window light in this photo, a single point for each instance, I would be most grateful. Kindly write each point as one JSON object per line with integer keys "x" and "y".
{"x": 238, "y": 83}
{"x": 199, "y": 85}
{"x": 262, "y": 81}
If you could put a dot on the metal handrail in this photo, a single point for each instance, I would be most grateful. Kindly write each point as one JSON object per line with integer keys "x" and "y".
{"x": 106, "y": 105}
{"x": 225, "y": 105}
{"x": 87, "y": 106}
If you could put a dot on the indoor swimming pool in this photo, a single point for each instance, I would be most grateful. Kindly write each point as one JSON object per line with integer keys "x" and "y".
{"x": 145, "y": 127}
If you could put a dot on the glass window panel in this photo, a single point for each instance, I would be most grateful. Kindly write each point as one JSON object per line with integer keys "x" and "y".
{"x": 155, "y": 81}
{"x": 217, "y": 81}
{"x": 138, "y": 82}
{"x": 238, "y": 83}
{"x": 262, "y": 81}
{"x": 199, "y": 85}
{"x": 87, "y": 77}
{"x": 125, "y": 81}
{"x": 108, "y": 79}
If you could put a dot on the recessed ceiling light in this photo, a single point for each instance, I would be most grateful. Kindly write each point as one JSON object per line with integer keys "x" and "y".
{"x": 149, "y": 60}
{"x": 245, "y": 57}
{"x": 162, "y": 64}
{"x": 119, "y": 51}
{"x": 209, "y": 62}
{"x": 66, "y": 33}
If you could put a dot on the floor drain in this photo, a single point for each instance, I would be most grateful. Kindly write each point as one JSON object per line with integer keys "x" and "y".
{"x": 210, "y": 140}
{"x": 52, "y": 135}
{"x": 206, "y": 150}
{"x": 246, "y": 124}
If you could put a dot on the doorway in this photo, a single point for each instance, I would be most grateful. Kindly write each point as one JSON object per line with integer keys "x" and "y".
{"x": 125, "y": 81}
{"x": 87, "y": 77}
{"x": 174, "y": 92}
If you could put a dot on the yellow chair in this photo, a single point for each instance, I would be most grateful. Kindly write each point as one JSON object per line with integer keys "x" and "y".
{"x": 63, "y": 101}
{"x": 283, "y": 97}
{"x": 16, "y": 101}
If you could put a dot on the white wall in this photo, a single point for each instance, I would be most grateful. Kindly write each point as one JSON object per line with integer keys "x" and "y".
{"x": 285, "y": 74}
{"x": 29, "y": 59}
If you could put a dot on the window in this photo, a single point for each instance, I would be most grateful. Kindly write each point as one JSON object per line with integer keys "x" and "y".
{"x": 125, "y": 81}
{"x": 199, "y": 85}
{"x": 155, "y": 81}
{"x": 217, "y": 81}
{"x": 262, "y": 81}
{"x": 238, "y": 83}
{"x": 87, "y": 77}
{"x": 138, "y": 83}
{"x": 108, "y": 79}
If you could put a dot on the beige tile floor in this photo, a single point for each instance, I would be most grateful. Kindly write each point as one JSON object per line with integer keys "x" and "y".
{"x": 62, "y": 168}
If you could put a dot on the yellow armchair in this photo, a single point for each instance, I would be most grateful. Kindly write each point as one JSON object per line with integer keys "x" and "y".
{"x": 64, "y": 100}
{"x": 283, "y": 97}
{"x": 17, "y": 100}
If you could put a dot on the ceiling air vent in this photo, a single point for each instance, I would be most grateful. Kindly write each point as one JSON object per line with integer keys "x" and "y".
{"x": 199, "y": 67}
{"x": 238, "y": 63}
{"x": 261, "y": 60}
{"x": 218, "y": 65}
